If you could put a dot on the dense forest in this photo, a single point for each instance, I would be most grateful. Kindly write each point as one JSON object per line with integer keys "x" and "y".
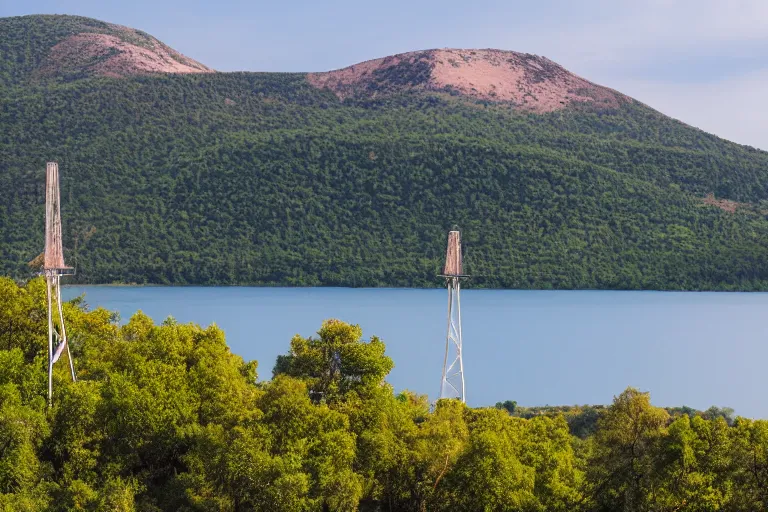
{"x": 165, "y": 417}
{"x": 259, "y": 178}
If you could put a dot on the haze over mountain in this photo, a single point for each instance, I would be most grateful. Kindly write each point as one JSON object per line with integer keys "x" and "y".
{"x": 174, "y": 173}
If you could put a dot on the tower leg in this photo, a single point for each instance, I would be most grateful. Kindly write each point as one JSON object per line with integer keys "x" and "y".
{"x": 447, "y": 342}
{"x": 71, "y": 365}
{"x": 460, "y": 341}
{"x": 50, "y": 342}
{"x": 452, "y": 383}
{"x": 63, "y": 328}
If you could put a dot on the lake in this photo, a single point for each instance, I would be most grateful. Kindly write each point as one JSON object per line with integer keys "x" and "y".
{"x": 535, "y": 347}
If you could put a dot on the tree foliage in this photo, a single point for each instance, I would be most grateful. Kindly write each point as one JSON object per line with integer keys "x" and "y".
{"x": 164, "y": 417}
{"x": 337, "y": 362}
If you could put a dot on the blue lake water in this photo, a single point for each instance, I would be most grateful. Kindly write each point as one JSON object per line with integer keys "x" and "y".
{"x": 536, "y": 347}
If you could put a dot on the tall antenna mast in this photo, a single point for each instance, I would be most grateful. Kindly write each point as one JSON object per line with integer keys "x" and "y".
{"x": 452, "y": 383}
{"x": 53, "y": 269}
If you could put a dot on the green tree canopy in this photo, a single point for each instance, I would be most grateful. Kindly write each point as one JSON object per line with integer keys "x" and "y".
{"x": 337, "y": 362}
{"x": 165, "y": 417}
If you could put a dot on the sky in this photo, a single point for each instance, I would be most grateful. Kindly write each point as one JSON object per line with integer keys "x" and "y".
{"x": 704, "y": 62}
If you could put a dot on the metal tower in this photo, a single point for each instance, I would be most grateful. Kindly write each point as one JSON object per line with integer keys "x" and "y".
{"x": 53, "y": 269}
{"x": 452, "y": 383}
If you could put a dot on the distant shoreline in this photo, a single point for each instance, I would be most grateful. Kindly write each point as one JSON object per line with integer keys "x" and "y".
{"x": 135, "y": 285}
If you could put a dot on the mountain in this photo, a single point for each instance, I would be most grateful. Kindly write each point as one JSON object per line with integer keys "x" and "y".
{"x": 69, "y": 47}
{"x": 175, "y": 174}
{"x": 529, "y": 82}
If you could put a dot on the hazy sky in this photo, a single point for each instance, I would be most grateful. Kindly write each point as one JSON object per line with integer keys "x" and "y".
{"x": 702, "y": 61}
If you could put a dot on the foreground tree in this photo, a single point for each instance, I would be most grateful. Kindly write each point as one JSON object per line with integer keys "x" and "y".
{"x": 625, "y": 454}
{"x": 749, "y": 441}
{"x": 164, "y": 417}
{"x": 336, "y": 363}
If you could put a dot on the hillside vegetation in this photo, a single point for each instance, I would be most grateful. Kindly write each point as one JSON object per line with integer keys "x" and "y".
{"x": 261, "y": 178}
{"x": 63, "y": 48}
{"x": 164, "y": 417}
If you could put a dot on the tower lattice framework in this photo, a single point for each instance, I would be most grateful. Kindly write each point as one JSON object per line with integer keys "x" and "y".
{"x": 452, "y": 382}
{"x": 53, "y": 268}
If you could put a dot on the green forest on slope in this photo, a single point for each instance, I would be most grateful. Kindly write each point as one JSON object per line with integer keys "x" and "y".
{"x": 165, "y": 417}
{"x": 258, "y": 178}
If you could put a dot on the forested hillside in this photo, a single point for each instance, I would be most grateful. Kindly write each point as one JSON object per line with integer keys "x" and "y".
{"x": 263, "y": 178}
{"x": 165, "y": 417}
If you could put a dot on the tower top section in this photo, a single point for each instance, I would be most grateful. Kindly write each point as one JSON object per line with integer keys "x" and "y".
{"x": 454, "y": 266}
{"x": 54, "y": 251}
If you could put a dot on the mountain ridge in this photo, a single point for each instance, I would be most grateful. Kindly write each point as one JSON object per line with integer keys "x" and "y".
{"x": 269, "y": 179}
{"x": 529, "y": 82}
{"x": 68, "y": 47}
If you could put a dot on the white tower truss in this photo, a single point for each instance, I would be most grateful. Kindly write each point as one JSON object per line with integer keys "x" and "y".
{"x": 53, "y": 268}
{"x": 452, "y": 382}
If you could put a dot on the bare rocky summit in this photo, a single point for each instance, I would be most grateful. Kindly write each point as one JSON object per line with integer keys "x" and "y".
{"x": 115, "y": 52}
{"x": 532, "y": 83}
{"x": 65, "y": 48}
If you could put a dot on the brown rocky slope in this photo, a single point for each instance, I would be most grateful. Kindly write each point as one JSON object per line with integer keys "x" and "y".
{"x": 71, "y": 47}
{"x": 115, "y": 51}
{"x": 532, "y": 83}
